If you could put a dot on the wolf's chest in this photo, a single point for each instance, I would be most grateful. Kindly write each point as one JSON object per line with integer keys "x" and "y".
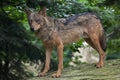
{"x": 43, "y": 35}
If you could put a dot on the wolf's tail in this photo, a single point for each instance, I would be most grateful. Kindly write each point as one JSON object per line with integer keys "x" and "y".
{"x": 103, "y": 41}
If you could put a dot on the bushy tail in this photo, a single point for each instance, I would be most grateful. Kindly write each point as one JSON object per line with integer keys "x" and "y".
{"x": 103, "y": 41}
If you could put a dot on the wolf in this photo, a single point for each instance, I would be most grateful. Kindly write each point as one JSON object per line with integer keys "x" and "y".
{"x": 58, "y": 32}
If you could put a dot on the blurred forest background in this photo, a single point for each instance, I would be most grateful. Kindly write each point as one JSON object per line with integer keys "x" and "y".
{"x": 18, "y": 44}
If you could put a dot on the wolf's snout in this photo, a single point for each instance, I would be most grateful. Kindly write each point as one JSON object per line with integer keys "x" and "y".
{"x": 32, "y": 29}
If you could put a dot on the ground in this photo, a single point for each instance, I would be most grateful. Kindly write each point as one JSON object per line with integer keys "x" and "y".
{"x": 111, "y": 71}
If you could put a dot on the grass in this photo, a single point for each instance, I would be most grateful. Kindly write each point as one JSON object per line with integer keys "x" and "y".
{"x": 111, "y": 71}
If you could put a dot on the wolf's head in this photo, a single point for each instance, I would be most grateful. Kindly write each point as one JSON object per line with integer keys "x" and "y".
{"x": 36, "y": 19}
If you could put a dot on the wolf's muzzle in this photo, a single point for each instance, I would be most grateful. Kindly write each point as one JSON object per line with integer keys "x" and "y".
{"x": 32, "y": 29}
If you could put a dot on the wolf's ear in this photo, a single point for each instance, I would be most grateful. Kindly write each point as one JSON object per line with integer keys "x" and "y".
{"x": 43, "y": 5}
{"x": 27, "y": 10}
{"x": 42, "y": 11}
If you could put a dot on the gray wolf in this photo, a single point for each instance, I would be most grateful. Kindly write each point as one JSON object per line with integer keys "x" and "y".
{"x": 57, "y": 32}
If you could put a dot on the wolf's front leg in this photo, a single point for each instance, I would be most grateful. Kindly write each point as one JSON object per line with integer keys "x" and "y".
{"x": 47, "y": 61}
{"x": 60, "y": 58}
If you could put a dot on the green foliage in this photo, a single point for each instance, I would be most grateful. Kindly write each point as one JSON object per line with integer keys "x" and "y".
{"x": 74, "y": 47}
{"x": 113, "y": 46}
{"x": 15, "y": 43}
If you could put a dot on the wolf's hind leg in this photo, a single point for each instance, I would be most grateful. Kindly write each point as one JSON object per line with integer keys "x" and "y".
{"x": 96, "y": 44}
{"x": 88, "y": 40}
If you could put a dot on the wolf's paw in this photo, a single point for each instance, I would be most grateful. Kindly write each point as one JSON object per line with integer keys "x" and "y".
{"x": 42, "y": 74}
{"x": 56, "y": 75}
{"x": 99, "y": 65}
